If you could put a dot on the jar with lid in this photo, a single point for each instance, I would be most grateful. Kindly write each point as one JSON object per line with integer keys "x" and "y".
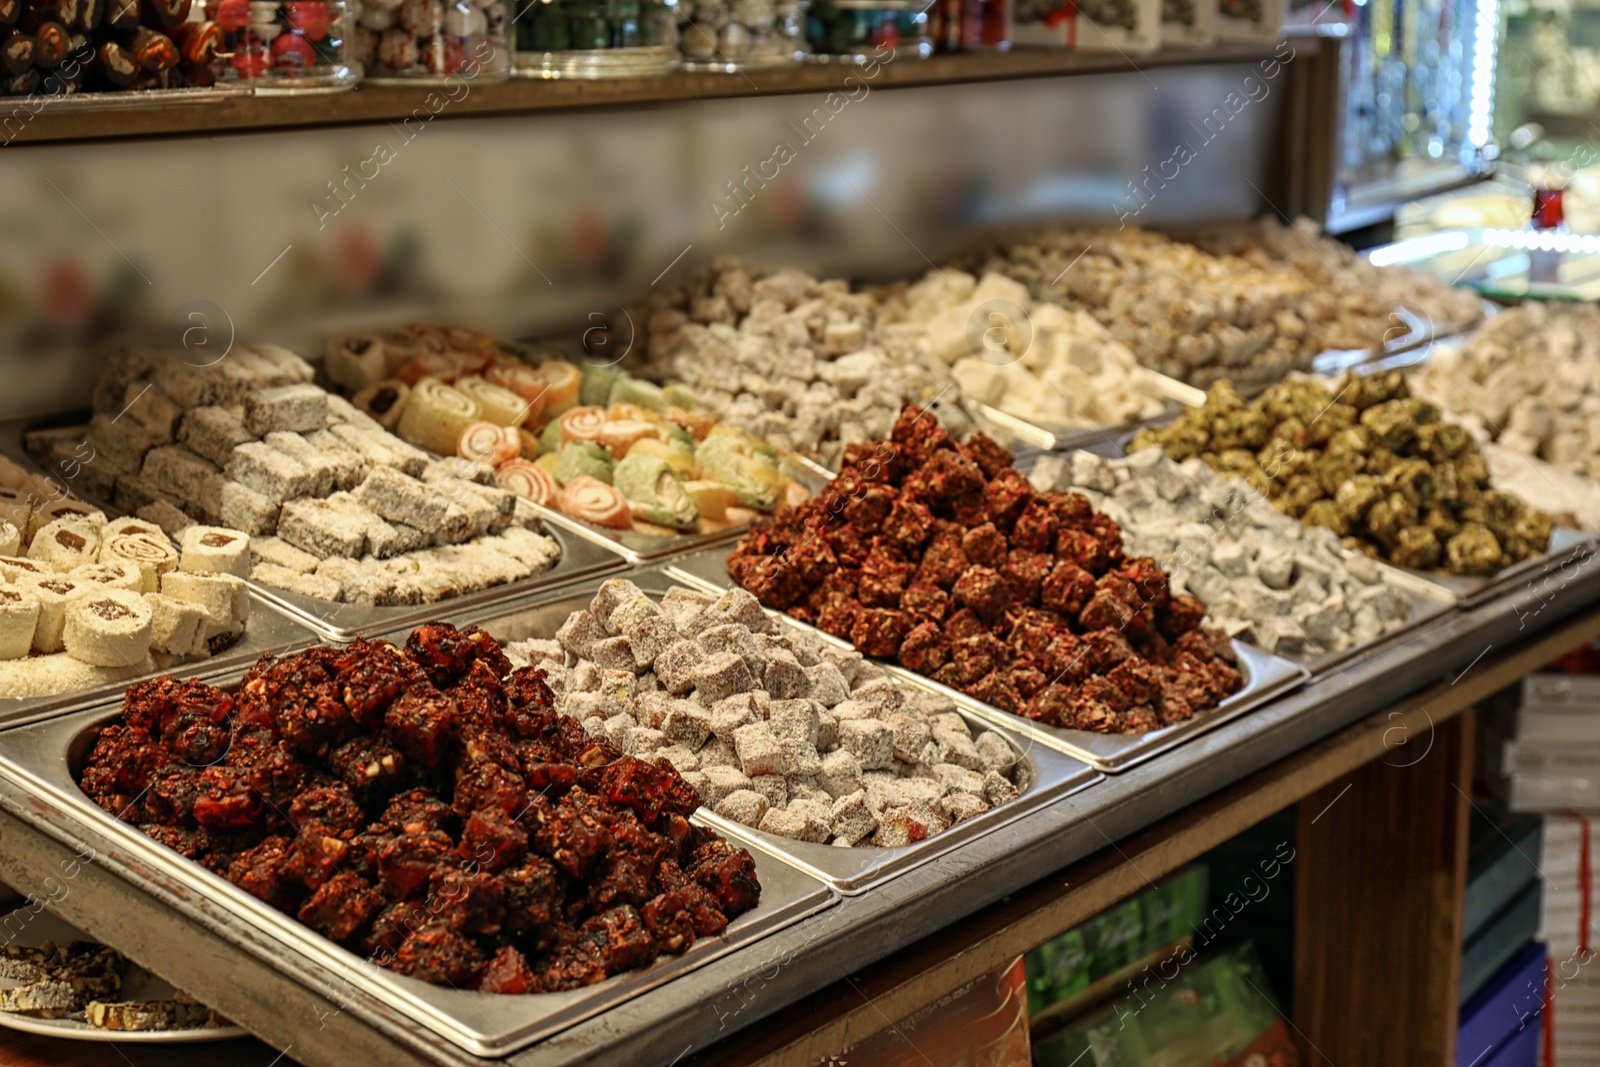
{"x": 735, "y": 35}
{"x": 595, "y": 38}
{"x": 287, "y": 45}
{"x": 970, "y": 25}
{"x": 852, "y": 31}
{"x": 412, "y": 41}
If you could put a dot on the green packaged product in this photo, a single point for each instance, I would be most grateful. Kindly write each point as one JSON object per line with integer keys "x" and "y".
{"x": 656, "y": 491}
{"x": 582, "y": 457}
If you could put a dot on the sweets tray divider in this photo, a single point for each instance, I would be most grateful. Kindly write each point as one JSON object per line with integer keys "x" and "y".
{"x": 1050, "y": 775}
{"x": 1266, "y": 678}
{"x": 42, "y": 759}
{"x": 338, "y": 621}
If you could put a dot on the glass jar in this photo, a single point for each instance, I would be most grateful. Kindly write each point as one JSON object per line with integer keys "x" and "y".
{"x": 287, "y": 45}
{"x": 412, "y": 41}
{"x": 733, "y": 35}
{"x": 594, "y": 38}
{"x": 853, "y": 30}
{"x": 970, "y": 25}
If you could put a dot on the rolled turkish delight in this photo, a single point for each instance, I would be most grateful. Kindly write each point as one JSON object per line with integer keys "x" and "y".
{"x": 107, "y": 628}
{"x": 225, "y": 598}
{"x": 54, "y": 592}
{"x": 177, "y": 627}
{"x": 436, "y": 415}
{"x": 499, "y": 405}
{"x": 356, "y": 362}
{"x": 19, "y": 617}
{"x": 10, "y": 538}
{"x": 66, "y": 543}
{"x": 215, "y": 550}
{"x": 116, "y": 575}
{"x": 153, "y": 554}
{"x": 384, "y": 401}
{"x": 61, "y": 509}
{"x": 489, "y": 442}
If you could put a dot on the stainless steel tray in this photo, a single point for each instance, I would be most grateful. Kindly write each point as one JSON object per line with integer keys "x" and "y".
{"x": 1266, "y": 677}
{"x": 267, "y": 631}
{"x": 1048, "y": 776}
{"x": 644, "y": 548}
{"x": 345, "y": 622}
{"x": 1416, "y": 331}
{"x": 1016, "y": 432}
{"x": 41, "y": 758}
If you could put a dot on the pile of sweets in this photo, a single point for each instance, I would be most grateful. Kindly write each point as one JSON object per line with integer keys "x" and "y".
{"x": 80, "y": 981}
{"x": 588, "y": 440}
{"x": 943, "y": 557}
{"x": 84, "y": 601}
{"x": 1370, "y": 462}
{"x": 1183, "y": 312}
{"x": 793, "y": 360}
{"x": 774, "y": 727}
{"x": 1351, "y": 302}
{"x": 1530, "y": 379}
{"x": 1036, "y": 360}
{"x": 1285, "y": 587}
{"x": 338, "y": 507}
{"x": 428, "y": 809}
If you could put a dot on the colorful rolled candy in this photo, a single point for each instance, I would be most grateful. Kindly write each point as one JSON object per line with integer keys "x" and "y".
{"x": 565, "y": 380}
{"x": 655, "y": 492}
{"x": 499, "y": 405}
{"x": 619, "y": 435}
{"x": 582, "y": 424}
{"x": 443, "y": 366}
{"x": 735, "y": 461}
{"x": 385, "y": 402}
{"x": 486, "y": 442}
{"x": 66, "y": 544}
{"x": 594, "y": 501}
{"x": 19, "y": 617}
{"x": 436, "y": 415}
{"x": 53, "y": 592}
{"x": 215, "y": 550}
{"x": 529, "y": 480}
{"x": 356, "y": 362}
{"x": 107, "y": 628}
{"x": 153, "y": 554}
{"x": 526, "y": 382}
{"x": 676, "y": 453}
{"x": 582, "y": 458}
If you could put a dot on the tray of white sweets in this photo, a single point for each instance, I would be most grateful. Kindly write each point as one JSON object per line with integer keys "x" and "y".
{"x": 352, "y": 531}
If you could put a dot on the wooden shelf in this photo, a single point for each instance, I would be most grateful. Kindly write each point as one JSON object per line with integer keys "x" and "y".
{"x": 366, "y": 104}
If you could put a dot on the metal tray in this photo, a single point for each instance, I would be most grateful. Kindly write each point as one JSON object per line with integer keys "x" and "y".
{"x": 338, "y": 621}
{"x": 1266, "y": 677}
{"x": 41, "y": 758}
{"x": 645, "y": 548}
{"x": 1014, "y": 431}
{"x": 267, "y": 631}
{"x": 1048, "y": 775}
{"x": 143, "y": 99}
{"x": 1418, "y": 332}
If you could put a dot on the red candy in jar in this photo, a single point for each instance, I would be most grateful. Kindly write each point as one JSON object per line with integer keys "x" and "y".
{"x": 231, "y": 15}
{"x": 422, "y": 17}
{"x": 292, "y": 50}
{"x": 397, "y": 49}
{"x": 309, "y": 17}
{"x": 250, "y": 57}
{"x": 441, "y": 54}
